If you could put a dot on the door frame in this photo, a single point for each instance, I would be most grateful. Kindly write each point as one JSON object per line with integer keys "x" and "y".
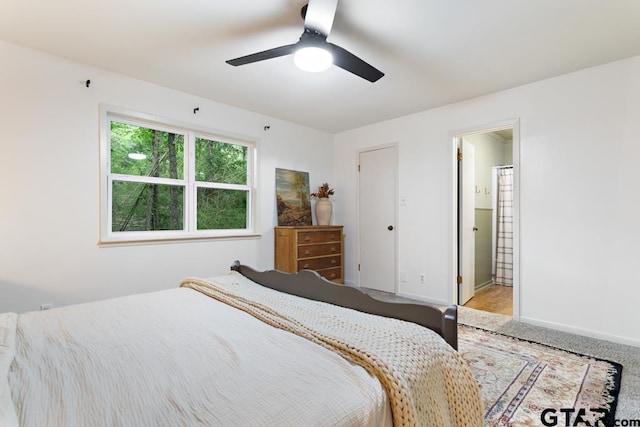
{"x": 453, "y": 213}
{"x": 466, "y": 192}
{"x": 396, "y": 168}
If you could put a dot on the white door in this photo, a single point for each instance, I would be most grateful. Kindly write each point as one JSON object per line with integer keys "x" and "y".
{"x": 466, "y": 222}
{"x": 377, "y": 219}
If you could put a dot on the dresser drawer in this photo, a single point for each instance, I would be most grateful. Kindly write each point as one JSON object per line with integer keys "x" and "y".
{"x": 331, "y": 274}
{"x": 311, "y": 247}
{"x": 310, "y": 251}
{"x": 318, "y": 236}
{"x": 318, "y": 263}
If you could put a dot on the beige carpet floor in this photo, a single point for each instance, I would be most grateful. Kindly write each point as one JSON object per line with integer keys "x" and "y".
{"x": 627, "y": 356}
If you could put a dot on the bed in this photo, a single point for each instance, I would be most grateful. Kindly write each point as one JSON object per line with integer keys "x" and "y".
{"x": 247, "y": 348}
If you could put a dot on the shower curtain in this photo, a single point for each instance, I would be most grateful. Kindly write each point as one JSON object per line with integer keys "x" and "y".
{"x": 504, "y": 241}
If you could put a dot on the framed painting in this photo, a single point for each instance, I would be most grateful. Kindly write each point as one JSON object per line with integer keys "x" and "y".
{"x": 293, "y": 197}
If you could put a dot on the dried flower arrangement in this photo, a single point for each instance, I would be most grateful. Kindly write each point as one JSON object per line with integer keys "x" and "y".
{"x": 323, "y": 192}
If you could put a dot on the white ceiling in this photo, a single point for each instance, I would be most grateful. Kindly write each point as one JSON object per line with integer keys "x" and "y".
{"x": 433, "y": 52}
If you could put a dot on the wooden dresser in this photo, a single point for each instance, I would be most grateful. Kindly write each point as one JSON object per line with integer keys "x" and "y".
{"x": 317, "y": 247}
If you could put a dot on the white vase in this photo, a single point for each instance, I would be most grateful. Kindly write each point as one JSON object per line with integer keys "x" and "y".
{"x": 324, "y": 210}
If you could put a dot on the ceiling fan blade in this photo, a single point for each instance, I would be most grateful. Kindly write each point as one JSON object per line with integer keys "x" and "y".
{"x": 319, "y": 15}
{"x": 348, "y": 61}
{"x": 265, "y": 54}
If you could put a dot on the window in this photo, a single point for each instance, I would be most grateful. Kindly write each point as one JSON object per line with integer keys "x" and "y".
{"x": 160, "y": 181}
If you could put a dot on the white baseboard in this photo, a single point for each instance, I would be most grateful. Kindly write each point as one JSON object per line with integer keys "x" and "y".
{"x": 423, "y": 299}
{"x": 484, "y": 285}
{"x": 579, "y": 331}
{"x": 350, "y": 283}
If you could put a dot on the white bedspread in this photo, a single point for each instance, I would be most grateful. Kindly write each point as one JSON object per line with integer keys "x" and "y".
{"x": 427, "y": 382}
{"x": 174, "y": 358}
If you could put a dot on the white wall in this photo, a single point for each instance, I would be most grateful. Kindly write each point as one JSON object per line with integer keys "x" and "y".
{"x": 579, "y": 198}
{"x": 49, "y": 192}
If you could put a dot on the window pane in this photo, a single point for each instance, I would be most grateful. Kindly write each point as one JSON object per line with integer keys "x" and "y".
{"x": 147, "y": 207}
{"x": 220, "y": 162}
{"x": 142, "y": 151}
{"x": 222, "y": 209}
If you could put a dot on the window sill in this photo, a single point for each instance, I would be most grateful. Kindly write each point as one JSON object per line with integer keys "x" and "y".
{"x": 128, "y": 241}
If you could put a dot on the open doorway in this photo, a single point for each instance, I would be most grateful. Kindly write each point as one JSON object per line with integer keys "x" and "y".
{"x": 486, "y": 237}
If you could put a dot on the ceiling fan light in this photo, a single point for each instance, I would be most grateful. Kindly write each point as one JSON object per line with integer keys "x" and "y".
{"x": 313, "y": 59}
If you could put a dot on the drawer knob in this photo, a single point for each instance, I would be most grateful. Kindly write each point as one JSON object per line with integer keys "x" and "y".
{"x": 333, "y": 261}
{"x": 333, "y": 249}
{"x": 305, "y": 266}
{"x": 307, "y": 252}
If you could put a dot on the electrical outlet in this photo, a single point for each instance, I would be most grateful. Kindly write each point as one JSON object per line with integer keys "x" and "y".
{"x": 422, "y": 278}
{"x": 46, "y": 306}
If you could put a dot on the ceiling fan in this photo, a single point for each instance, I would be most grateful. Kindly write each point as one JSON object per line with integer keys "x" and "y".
{"x": 313, "y": 46}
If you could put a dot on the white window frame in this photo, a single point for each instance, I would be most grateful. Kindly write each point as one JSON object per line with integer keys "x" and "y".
{"x": 188, "y": 181}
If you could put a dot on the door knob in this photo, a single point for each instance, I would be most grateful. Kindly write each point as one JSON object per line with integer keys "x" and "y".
{"x": 475, "y": 228}
{"x": 390, "y": 227}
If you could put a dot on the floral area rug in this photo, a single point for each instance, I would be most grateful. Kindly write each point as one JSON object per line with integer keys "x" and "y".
{"x": 524, "y": 383}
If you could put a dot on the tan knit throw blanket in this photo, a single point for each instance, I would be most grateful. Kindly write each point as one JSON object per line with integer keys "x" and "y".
{"x": 427, "y": 382}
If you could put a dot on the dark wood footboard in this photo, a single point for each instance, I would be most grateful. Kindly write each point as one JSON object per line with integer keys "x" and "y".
{"x": 309, "y": 284}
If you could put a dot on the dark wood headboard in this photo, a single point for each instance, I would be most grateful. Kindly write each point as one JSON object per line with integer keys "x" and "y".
{"x": 309, "y": 284}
